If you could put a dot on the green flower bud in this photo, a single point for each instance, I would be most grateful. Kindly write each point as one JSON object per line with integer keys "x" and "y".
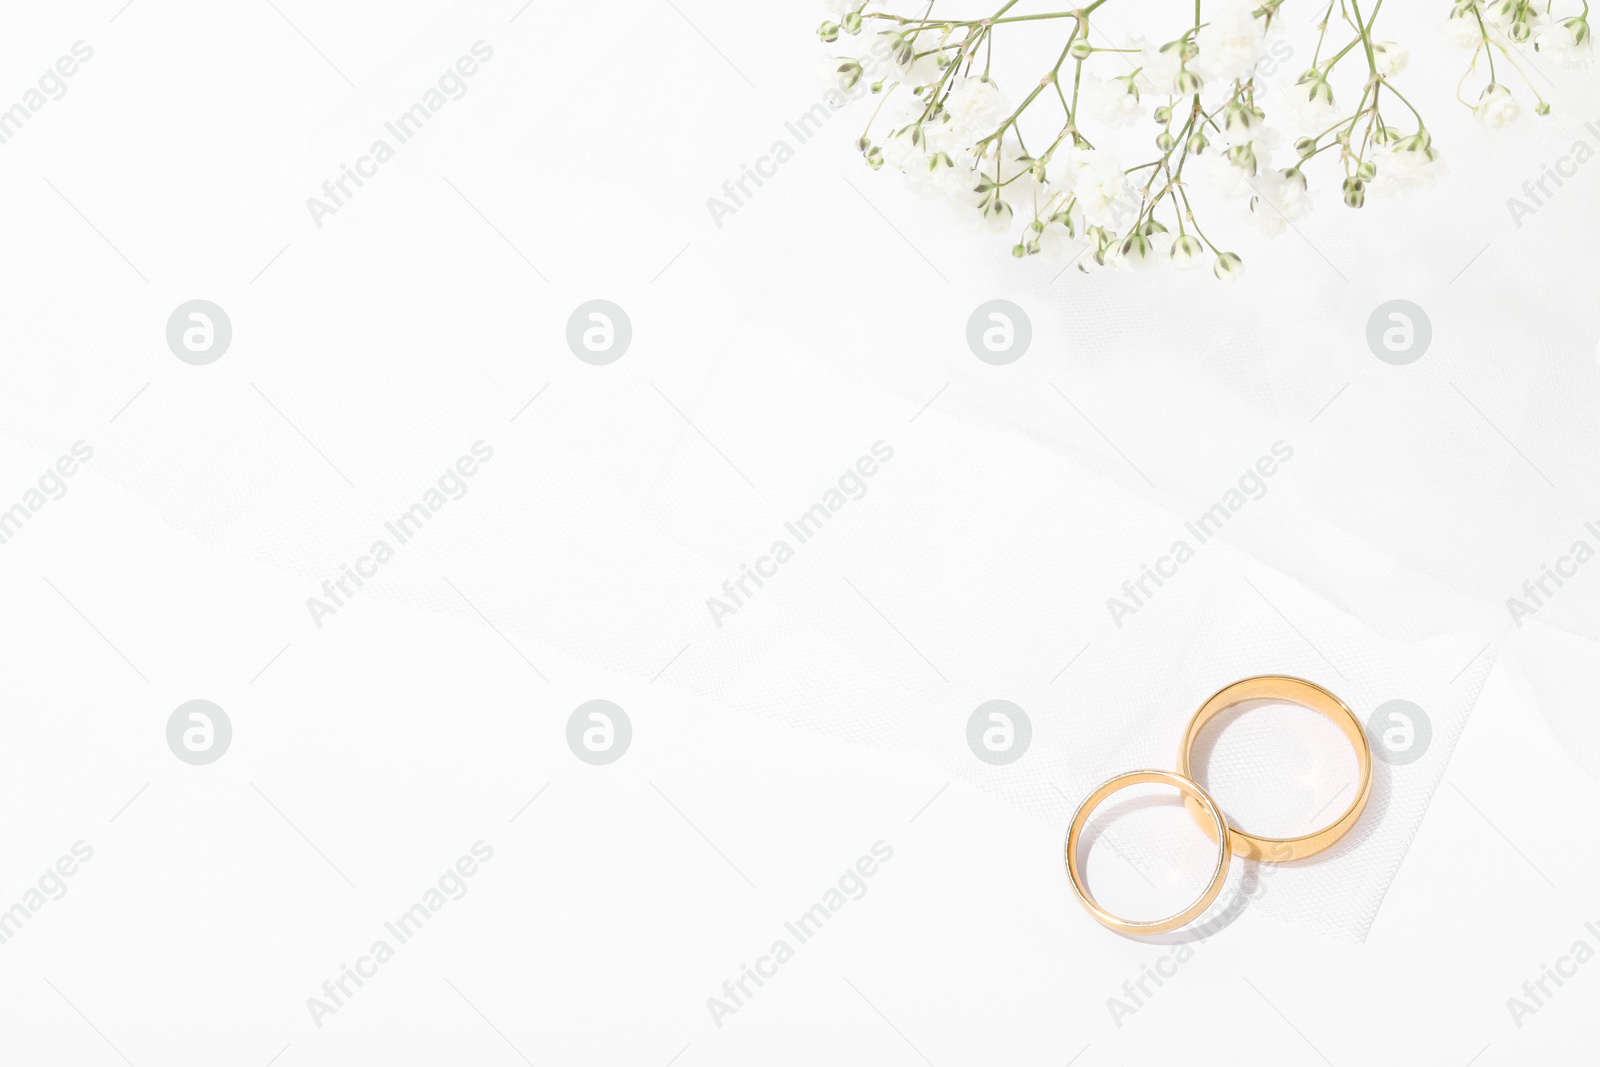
{"x": 848, "y": 72}
{"x": 1241, "y": 118}
{"x": 1367, "y": 171}
{"x": 1305, "y": 146}
{"x": 1420, "y": 141}
{"x": 1165, "y": 141}
{"x": 852, "y": 23}
{"x": 998, "y": 210}
{"x": 1019, "y": 251}
{"x": 875, "y": 157}
{"x": 1188, "y": 82}
{"x": 1163, "y": 115}
{"x": 1197, "y": 143}
{"x": 828, "y": 31}
{"x": 1355, "y": 192}
{"x": 1227, "y": 267}
{"x": 1081, "y": 49}
{"x": 1187, "y": 247}
{"x": 1542, "y": 108}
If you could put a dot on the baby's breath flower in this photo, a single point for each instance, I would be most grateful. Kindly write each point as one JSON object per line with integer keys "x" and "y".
{"x": 976, "y": 105}
{"x": 1390, "y": 57}
{"x": 1047, "y": 173}
{"x": 1158, "y": 65}
{"x": 1497, "y": 107}
{"x": 1569, "y": 42}
{"x": 1408, "y": 163}
{"x": 1462, "y": 27}
{"x": 1103, "y": 191}
{"x": 1280, "y": 199}
{"x": 1114, "y": 102}
{"x": 1231, "y": 42}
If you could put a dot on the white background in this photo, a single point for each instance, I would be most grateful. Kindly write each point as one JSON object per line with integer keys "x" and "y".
{"x": 767, "y": 354}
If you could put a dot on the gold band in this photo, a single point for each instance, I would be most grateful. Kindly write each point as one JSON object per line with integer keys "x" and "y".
{"x": 1193, "y": 794}
{"x": 1295, "y": 691}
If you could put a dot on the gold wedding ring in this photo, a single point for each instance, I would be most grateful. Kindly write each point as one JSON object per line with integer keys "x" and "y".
{"x": 1192, "y": 792}
{"x": 1294, "y": 691}
{"x": 1230, "y": 839}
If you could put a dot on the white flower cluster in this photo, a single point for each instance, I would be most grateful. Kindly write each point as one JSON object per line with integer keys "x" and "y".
{"x": 1509, "y": 29}
{"x": 1046, "y": 165}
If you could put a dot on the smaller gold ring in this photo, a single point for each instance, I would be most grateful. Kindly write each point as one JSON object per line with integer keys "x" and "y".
{"x": 1308, "y": 695}
{"x": 1192, "y": 792}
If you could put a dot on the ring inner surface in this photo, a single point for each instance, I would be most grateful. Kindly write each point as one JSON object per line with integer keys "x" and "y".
{"x": 1278, "y": 768}
{"x": 1142, "y": 853}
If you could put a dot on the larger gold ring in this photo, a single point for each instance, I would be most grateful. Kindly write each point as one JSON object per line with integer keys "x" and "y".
{"x": 1192, "y": 792}
{"x": 1295, "y": 691}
